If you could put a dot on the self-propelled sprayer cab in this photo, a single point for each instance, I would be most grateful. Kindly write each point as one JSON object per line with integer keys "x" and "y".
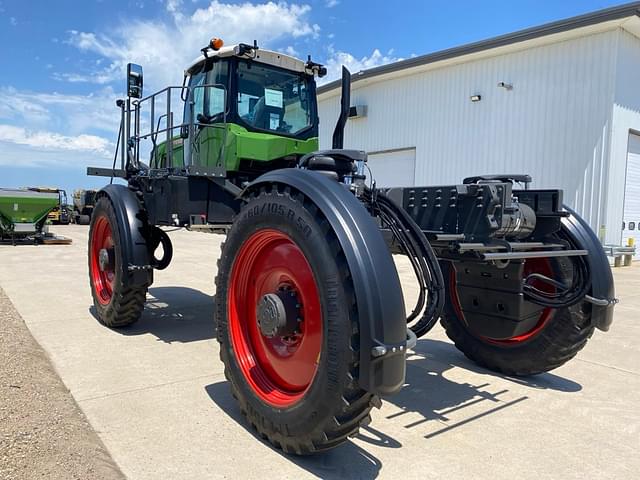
{"x": 245, "y": 111}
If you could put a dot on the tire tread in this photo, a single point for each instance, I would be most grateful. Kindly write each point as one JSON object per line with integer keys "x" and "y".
{"x": 567, "y": 334}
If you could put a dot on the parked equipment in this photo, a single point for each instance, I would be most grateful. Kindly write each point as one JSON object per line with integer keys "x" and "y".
{"x": 309, "y": 309}
{"x": 23, "y": 212}
{"x": 84, "y": 202}
{"x": 61, "y": 213}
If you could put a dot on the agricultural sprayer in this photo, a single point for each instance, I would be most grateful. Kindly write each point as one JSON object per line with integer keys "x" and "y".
{"x": 309, "y": 309}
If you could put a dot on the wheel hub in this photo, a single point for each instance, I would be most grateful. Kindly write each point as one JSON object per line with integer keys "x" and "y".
{"x": 106, "y": 259}
{"x": 277, "y": 313}
{"x": 272, "y": 285}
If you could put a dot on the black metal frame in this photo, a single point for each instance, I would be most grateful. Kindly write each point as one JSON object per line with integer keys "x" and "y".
{"x": 475, "y": 222}
{"x": 485, "y": 291}
{"x": 186, "y": 200}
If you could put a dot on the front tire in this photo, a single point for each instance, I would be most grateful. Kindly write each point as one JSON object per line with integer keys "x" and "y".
{"x": 297, "y": 384}
{"x": 115, "y": 304}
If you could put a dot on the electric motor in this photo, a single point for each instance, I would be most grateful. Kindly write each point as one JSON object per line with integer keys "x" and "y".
{"x": 518, "y": 221}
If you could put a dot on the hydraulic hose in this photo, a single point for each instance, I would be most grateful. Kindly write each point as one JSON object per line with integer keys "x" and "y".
{"x": 423, "y": 260}
{"x": 564, "y": 295}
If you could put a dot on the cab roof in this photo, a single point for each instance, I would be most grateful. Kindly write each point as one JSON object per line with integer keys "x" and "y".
{"x": 268, "y": 57}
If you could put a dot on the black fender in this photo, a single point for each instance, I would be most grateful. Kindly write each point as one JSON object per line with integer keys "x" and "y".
{"x": 133, "y": 228}
{"x": 381, "y": 312}
{"x": 602, "y": 287}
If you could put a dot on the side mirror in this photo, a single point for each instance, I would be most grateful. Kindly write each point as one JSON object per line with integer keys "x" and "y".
{"x": 134, "y": 80}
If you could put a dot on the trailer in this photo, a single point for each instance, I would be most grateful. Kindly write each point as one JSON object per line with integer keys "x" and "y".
{"x": 309, "y": 311}
{"x": 23, "y": 212}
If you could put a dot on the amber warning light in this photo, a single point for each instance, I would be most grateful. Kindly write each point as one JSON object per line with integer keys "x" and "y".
{"x": 216, "y": 43}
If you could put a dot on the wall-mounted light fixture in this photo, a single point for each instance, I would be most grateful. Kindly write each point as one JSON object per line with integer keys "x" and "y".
{"x": 505, "y": 85}
{"x": 357, "y": 111}
{"x": 475, "y": 98}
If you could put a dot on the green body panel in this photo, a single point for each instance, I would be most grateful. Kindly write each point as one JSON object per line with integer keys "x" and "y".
{"x": 239, "y": 144}
{"x": 177, "y": 153}
{"x": 24, "y": 206}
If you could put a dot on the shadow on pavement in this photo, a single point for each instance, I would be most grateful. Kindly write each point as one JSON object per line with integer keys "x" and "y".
{"x": 447, "y": 353}
{"x": 174, "y": 314}
{"x": 347, "y": 461}
{"x": 429, "y": 399}
{"x": 436, "y": 398}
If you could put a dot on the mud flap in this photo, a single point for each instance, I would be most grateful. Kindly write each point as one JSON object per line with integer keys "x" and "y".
{"x": 602, "y": 287}
{"x": 383, "y": 325}
{"x": 132, "y": 223}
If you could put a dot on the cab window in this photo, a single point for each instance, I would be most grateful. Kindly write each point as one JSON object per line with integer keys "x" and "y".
{"x": 208, "y": 89}
{"x": 273, "y": 99}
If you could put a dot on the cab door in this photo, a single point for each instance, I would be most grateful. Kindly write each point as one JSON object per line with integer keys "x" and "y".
{"x": 208, "y": 93}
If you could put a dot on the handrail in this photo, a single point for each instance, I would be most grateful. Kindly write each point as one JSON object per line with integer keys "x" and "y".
{"x": 172, "y": 87}
{"x": 135, "y": 108}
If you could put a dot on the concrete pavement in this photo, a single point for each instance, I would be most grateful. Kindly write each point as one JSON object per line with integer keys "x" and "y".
{"x": 156, "y": 395}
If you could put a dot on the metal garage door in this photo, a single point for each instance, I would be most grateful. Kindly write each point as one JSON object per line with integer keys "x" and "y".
{"x": 631, "y": 212}
{"x": 395, "y": 168}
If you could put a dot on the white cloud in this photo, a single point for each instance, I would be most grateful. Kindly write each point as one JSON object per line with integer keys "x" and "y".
{"x": 338, "y": 58}
{"x": 24, "y": 166}
{"x": 100, "y": 78}
{"x": 165, "y": 48}
{"x": 173, "y": 5}
{"x": 13, "y": 21}
{"x": 45, "y": 140}
{"x": 331, "y": 3}
{"x": 71, "y": 114}
{"x": 13, "y": 106}
{"x": 56, "y": 132}
{"x": 291, "y": 51}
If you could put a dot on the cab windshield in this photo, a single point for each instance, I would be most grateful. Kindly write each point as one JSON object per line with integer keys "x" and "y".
{"x": 273, "y": 99}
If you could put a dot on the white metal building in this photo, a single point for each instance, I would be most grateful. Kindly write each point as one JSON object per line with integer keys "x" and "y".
{"x": 560, "y": 101}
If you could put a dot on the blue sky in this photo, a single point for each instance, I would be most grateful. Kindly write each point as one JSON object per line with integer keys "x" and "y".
{"x": 62, "y": 61}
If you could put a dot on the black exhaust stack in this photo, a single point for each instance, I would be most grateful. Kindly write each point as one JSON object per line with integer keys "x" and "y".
{"x": 345, "y": 104}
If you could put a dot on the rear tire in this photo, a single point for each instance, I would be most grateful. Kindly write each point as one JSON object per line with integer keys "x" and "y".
{"x": 84, "y": 220}
{"x": 115, "y": 305}
{"x": 550, "y": 346}
{"x": 326, "y": 405}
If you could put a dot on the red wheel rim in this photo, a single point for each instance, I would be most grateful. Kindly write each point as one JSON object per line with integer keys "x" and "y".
{"x": 278, "y": 369}
{"x": 532, "y": 265}
{"x": 103, "y": 278}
